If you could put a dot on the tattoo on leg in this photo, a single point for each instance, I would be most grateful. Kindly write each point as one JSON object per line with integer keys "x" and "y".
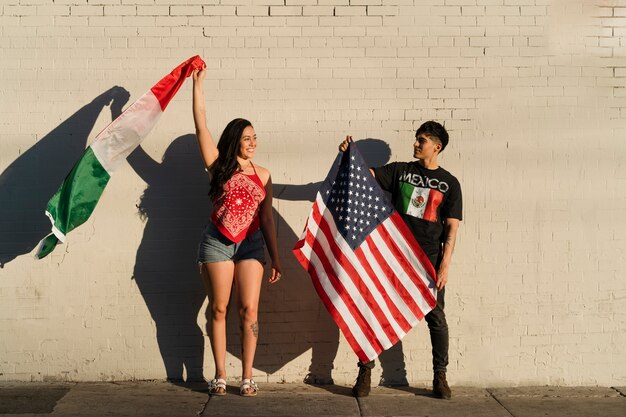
{"x": 255, "y": 329}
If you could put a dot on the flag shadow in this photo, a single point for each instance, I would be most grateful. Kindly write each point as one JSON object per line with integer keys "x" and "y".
{"x": 31, "y": 180}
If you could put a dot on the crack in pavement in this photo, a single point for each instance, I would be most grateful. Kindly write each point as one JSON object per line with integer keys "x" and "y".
{"x": 498, "y": 401}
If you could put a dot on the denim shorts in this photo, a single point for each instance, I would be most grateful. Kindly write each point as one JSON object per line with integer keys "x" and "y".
{"x": 215, "y": 247}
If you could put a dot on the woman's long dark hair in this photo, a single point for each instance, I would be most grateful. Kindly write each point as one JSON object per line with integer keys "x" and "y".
{"x": 226, "y": 163}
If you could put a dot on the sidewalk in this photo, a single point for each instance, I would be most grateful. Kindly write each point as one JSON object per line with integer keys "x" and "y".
{"x": 152, "y": 399}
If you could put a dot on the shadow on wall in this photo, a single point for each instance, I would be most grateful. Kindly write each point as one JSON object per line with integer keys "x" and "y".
{"x": 175, "y": 208}
{"x": 31, "y": 180}
{"x": 292, "y": 317}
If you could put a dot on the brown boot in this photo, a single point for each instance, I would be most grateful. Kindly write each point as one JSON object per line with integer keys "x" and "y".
{"x": 440, "y": 386}
{"x": 363, "y": 382}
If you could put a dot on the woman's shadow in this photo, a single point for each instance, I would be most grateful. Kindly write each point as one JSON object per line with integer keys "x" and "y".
{"x": 299, "y": 321}
{"x": 29, "y": 182}
{"x": 175, "y": 207}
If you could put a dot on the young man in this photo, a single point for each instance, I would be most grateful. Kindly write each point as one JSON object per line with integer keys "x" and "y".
{"x": 429, "y": 200}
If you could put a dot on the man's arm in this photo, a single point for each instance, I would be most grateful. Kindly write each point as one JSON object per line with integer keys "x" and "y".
{"x": 304, "y": 192}
{"x": 451, "y": 226}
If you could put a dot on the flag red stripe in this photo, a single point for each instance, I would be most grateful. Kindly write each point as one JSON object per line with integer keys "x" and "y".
{"x": 410, "y": 239}
{"x": 402, "y": 291}
{"x": 166, "y": 89}
{"x": 334, "y": 313}
{"x": 363, "y": 290}
{"x": 397, "y": 315}
{"x": 435, "y": 197}
{"x": 339, "y": 287}
{"x": 333, "y": 310}
{"x": 411, "y": 273}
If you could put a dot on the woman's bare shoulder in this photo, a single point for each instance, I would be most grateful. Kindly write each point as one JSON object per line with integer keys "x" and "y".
{"x": 263, "y": 173}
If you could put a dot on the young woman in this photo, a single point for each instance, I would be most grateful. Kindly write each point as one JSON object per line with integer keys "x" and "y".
{"x": 232, "y": 246}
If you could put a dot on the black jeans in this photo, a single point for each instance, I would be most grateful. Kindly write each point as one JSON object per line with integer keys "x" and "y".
{"x": 439, "y": 337}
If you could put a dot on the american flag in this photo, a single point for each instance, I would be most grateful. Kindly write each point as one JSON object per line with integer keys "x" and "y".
{"x": 368, "y": 269}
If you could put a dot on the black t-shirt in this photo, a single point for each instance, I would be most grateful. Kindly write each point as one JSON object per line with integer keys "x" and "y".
{"x": 424, "y": 198}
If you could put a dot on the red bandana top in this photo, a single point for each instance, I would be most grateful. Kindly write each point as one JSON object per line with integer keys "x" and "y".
{"x": 236, "y": 211}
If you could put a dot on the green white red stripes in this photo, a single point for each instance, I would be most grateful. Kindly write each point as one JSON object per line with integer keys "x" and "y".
{"x": 113, "y": 145}
{"x": 420, "y": 202}
{"x": 79, "y": 193}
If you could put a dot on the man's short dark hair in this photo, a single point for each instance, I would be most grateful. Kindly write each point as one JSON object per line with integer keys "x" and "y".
{"x": 435, "y": 129}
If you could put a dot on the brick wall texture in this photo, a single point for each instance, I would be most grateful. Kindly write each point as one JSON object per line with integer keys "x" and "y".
{"x": 533, "y": 93}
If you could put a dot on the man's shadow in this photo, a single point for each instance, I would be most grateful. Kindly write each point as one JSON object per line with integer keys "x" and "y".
{"x": 29, "y": 182}
{"x": 294, "y": 302}
{"x": 175, "y": 208}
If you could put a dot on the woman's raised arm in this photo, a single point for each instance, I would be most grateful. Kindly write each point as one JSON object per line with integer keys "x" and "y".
{"x": 208, "y": 149}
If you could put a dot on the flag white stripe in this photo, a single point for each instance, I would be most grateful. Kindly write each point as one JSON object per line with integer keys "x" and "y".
{"x": 416, "y": 264}
{"x": 397, "y": 300}
{"x": 353, "y": 291}
{"x": 365, "y": 278}
{"x": 120, "y": 138}
{"x": 402, "y": 276}
{"x": 414, "y": 210}
{"x": 59, "y": 234}
{"x": 344, "y": 277}
{"x": 336, "y": 300}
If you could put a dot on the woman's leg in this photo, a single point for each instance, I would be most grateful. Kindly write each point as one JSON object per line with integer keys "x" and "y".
{"x": 218, "y": 281}
{"x": 248, "y": 279}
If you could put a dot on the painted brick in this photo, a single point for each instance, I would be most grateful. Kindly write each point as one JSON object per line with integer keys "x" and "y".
{"x": 105, "y": 20}
{"x": 383, "y": 11}
{"x": 507, "y": 77}
{"x": 252, "y": 11}
{"x": 86, "y": 10}
{"x": 120, "y": 10}
{"x": 318, "y": 11}
{"x": 350, "y": 11}
{"x": 12, "y": 10}
{"x": 185, "y": 10}
{"x": 219, "y": 10}
{"x": 236, "y": 21}
{"x": 58, "y": 10}
{"x": 285, "y": 11}
{"x": 152, "y": 10}
{"x": 300, "y": 2}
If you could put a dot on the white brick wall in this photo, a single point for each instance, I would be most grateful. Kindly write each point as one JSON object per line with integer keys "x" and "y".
{"x": 533, "y": 93}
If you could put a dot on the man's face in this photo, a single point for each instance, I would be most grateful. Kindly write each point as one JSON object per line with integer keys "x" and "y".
{"x": 425, "y": 147}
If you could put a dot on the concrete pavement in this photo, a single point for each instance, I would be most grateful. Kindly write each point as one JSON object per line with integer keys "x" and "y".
{"x": 151, "y": 399}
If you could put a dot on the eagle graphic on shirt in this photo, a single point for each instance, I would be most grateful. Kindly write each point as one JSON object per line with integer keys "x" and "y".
{"x": 420, "y": 202}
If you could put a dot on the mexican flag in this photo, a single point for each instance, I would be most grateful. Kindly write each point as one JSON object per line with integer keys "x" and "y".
{"x": 420, "y": 202}
{"x": 79, "y": 193}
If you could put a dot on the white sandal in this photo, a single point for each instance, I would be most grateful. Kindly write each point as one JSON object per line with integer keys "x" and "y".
{"x": 215, "y": 385}
{"x": 248, "y": 384}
